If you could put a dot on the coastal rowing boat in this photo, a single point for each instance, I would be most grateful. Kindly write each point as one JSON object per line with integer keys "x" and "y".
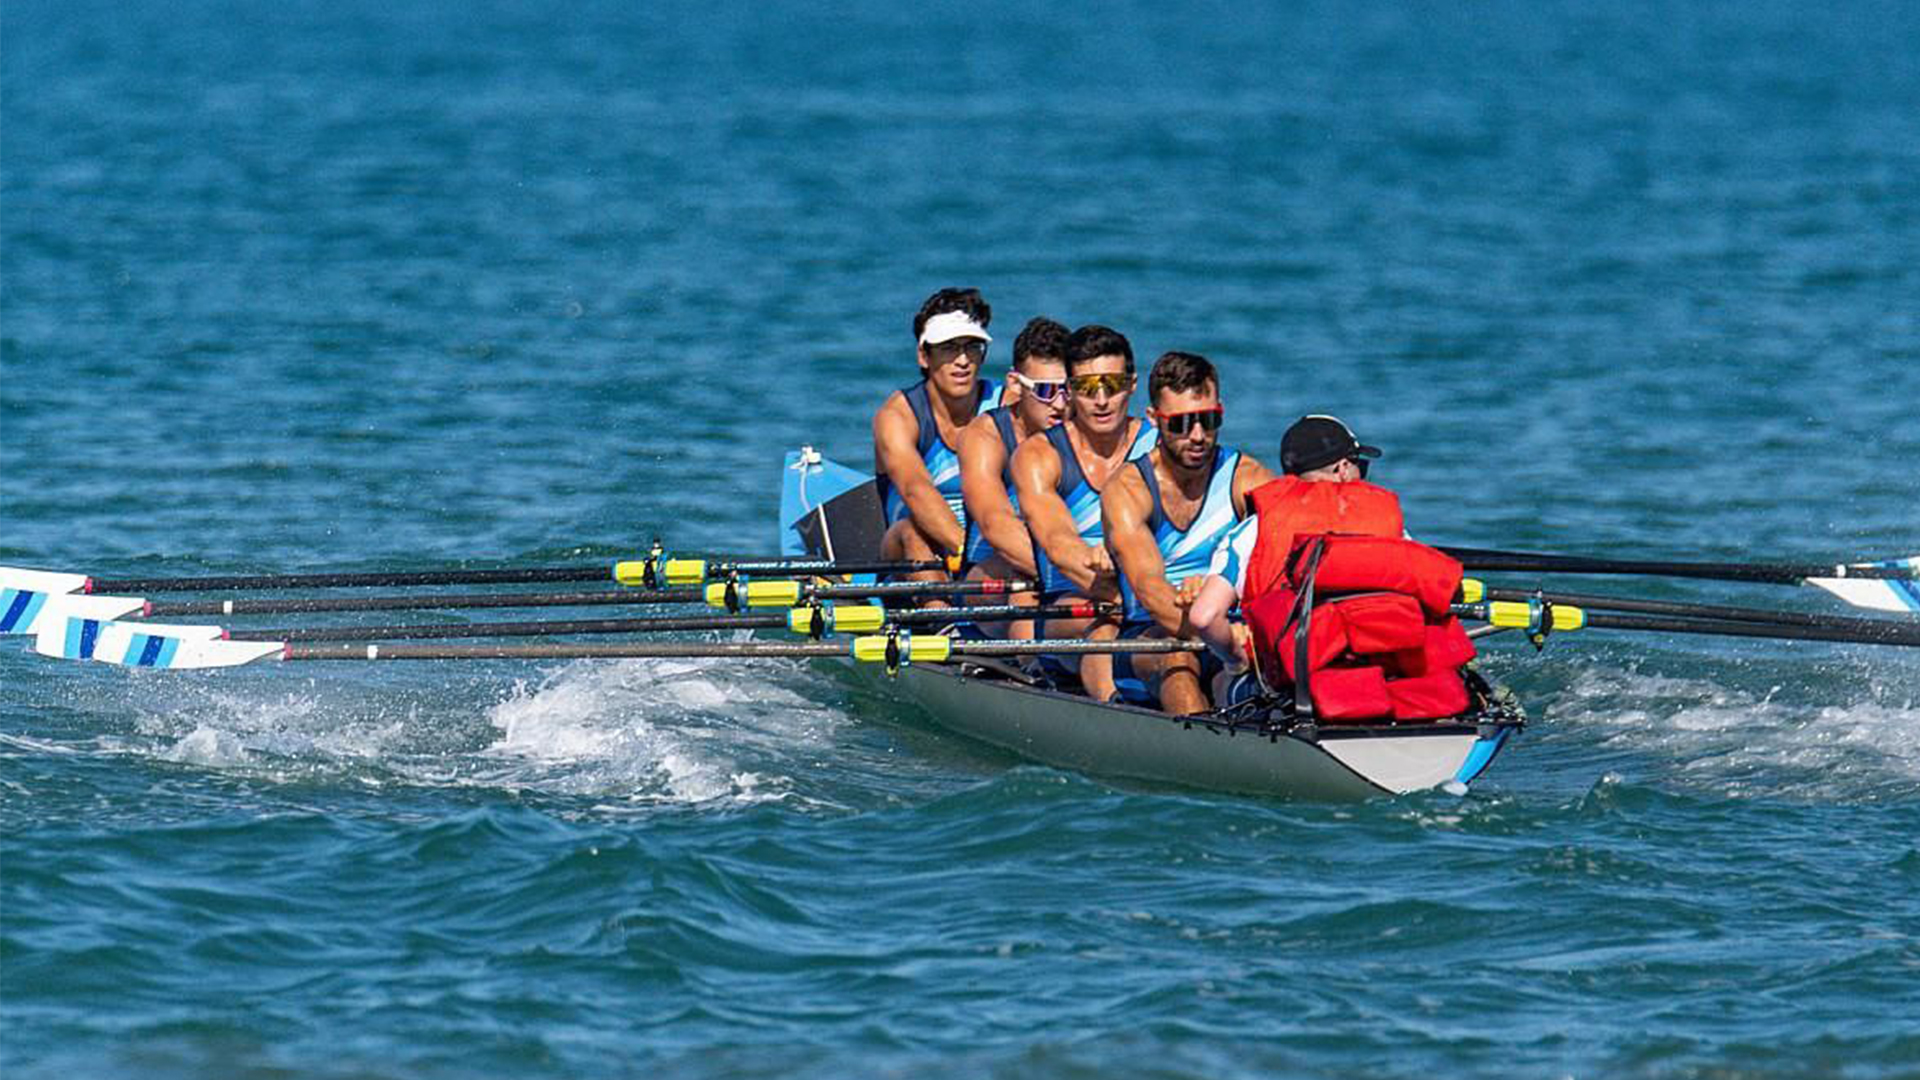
{"x": 829, "y": 509}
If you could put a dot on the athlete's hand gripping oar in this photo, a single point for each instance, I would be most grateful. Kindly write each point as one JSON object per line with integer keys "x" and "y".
{"x": 1887, "y": 585}
{"x": 1540, "y": 619}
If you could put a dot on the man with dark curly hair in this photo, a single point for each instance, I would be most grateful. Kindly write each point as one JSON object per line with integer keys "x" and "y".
{"x": 1059, "y": 474}
{"x": 1164, "y": 518}
{"x": 998, "y": 544}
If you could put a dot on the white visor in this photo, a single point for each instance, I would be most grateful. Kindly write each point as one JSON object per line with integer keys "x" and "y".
{"x": 949, "y": 325}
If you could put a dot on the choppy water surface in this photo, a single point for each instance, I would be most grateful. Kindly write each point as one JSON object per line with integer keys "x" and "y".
{"x": 384, "y": 286}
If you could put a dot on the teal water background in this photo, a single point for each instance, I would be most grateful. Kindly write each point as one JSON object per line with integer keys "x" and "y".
{"x": 372, "y": 286}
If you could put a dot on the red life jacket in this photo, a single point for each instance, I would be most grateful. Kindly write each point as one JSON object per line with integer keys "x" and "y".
{"x": 1380, "y": 641}
{"x": 1290, "y": 507}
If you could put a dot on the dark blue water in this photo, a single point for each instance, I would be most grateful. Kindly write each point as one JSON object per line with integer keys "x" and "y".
{"x": 382, "y": 286}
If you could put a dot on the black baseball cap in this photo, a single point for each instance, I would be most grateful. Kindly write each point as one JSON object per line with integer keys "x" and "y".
{"x": 1315, "y": 442}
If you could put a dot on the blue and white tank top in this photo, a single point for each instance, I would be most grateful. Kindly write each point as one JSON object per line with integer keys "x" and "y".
{"x": 943, "y": 462}
{"x": 1082, "y": 499}
{"x": 977, "y": 547}
{"x": 1188, "y": 551}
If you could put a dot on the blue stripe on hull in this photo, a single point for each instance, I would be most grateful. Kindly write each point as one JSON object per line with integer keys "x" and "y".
{"x": 1481, "y": 756}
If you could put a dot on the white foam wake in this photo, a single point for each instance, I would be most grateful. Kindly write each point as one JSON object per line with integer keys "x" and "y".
{"x": 656, "y": 730}
{"x": 1744, "y": 742}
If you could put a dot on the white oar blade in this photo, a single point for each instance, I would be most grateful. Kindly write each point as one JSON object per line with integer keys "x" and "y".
{"x": 22, "y": 611}
{"x": 44, "y": 581}
{"x": 150, "y": 645}
{"x": 1878, "y": 594}
{"x": 1874, "y": 595}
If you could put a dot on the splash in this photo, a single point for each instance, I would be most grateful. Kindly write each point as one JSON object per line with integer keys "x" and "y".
{"x": 650, "y": 731}
{"x": 1771, "y": 741}
{"x": 628, "y": 734}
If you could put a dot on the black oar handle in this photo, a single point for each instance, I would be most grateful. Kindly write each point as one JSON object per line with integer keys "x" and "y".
{"x": 1773, "y": 573}
{"x": 524, "y": 575}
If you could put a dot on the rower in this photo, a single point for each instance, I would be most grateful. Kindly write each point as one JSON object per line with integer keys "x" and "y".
{"x": 998, "y": 544}
{"x": 917, "y": 430}
{"x": 1058, "y": 475}
{"x": 1165, "y": 517}
{"x": 1324, "y": 491}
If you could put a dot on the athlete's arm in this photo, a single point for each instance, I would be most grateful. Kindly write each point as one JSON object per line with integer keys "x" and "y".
{"x": 1249, "y": 475}
{"x": 1208, "y": 615}
{"x": 1124, "y": 508}
{"x": 982, "y": 458}
{"x": 1036, "y": 476}
{"x": 896, "y": 453}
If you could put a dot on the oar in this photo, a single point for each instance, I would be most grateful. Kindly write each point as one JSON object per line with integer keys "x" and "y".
{"x": 28, "y": 612}
{"x": 153, "y": 645}
{"x": 1558, "y": 618}
{"x": 632, "y": 572}
{"x": 1887, "y": 585}
{"x": 1473, "y": 590}
{"x": 813, "y": 620}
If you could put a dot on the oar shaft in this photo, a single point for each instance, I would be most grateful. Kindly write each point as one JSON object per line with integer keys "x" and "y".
{"x": 504, "y": 576}
{"x": 1894, "y": 634}
{"x": 886, "y": 589}
{"x": 566, "y": 627}
{"x": 1076, "y": 647}
{"x": 292, "y": 605}
{"x": 1772, "y": 573}
{"x": 540, "y": 628}
{"x": 1700, "y": 611}
{"x": 610, "y": 650}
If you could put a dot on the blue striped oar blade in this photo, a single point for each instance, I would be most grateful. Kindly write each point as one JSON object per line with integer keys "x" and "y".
{"x": 150, "y": 645}
{"x": 22, "y": 611}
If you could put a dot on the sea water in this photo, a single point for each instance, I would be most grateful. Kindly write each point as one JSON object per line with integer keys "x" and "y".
{"x": 350, "y": 285}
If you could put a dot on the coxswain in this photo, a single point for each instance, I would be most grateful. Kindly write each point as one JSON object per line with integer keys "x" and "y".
{"x": 916, "y": 432}
{"x": 1165, "y": 518}
{"x": 998, "y": 544}
{"x": 1324, "y": 490}
{"x": 1058, "y": 475}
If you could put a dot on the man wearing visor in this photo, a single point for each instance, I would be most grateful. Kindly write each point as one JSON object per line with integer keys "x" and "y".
{"x": 916, "y": 433}
{"x": 1165, "y": 518}
{"x": 1324, "y": 491}
{"x": 998, "y": 544}
{"x": 1058, "y": 475}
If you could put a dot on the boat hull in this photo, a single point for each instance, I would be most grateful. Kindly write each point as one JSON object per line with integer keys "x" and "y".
{"x": 1074, "y": 732}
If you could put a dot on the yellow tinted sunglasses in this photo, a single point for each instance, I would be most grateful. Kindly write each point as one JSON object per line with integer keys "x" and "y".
{"x": 1095, "y": 385}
